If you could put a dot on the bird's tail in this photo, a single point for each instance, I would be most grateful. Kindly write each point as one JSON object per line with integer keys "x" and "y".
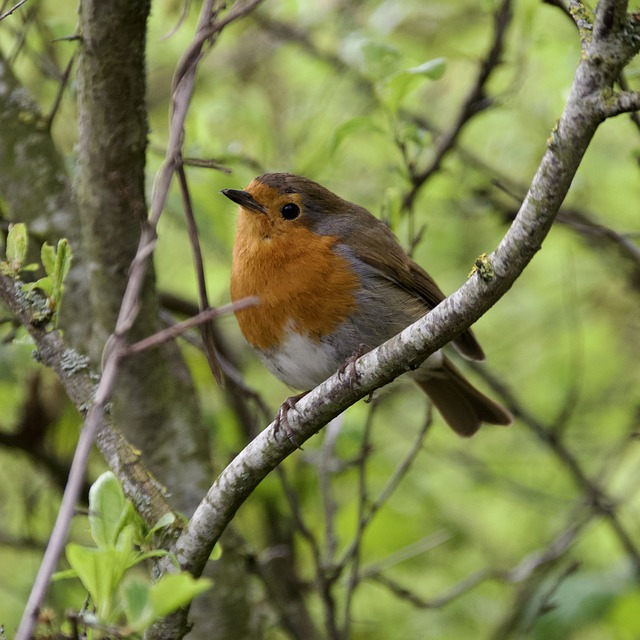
{"x": 462, "y": 406}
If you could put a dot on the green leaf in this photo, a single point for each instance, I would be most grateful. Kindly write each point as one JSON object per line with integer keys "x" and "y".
{"x": 64, "y": 257}
{"x": 61, "y": 268}
{"x": 101, "y": 570}
{"x": 433, "y": 69}
{"x": 99, "y": 573}
{"x": 48, "y": 257}
{"x": 137, "y": 606}
{"x": 144, "y": 604}
{"x": 165, "y": 521}
{"x": 376, "y": 59}
{"x": 44, "y": 284}
{"x": 107, "y": 510}
{"x": 354, "y": 125}
{"x": 174, "y": 590}
{"x": 17, "y": 244}
{"x": 396, "y": 88}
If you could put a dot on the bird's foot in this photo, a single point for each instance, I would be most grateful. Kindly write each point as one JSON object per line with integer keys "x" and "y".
{"x": 281, "y": 421}
{"x": 348, "y": 368}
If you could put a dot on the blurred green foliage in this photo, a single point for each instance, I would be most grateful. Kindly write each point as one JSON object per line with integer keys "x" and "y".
{"x": 326, "y": 89}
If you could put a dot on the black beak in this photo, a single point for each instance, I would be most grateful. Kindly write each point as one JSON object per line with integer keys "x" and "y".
{"x": 244, "y": 199}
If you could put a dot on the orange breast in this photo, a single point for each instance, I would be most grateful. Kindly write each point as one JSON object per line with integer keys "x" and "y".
{"x": 301, "y": 283}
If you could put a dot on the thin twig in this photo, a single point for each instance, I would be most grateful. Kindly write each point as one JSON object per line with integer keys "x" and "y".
{"x": 326, "y": 468}
{"x": 324, "y": 580}
{"x": 180, "y": 327}
{"x": 61, "y": 87}
{"x": 418, "y": 548}
{"x": 21, "y": 40}
{"x": 363, "y": 499}
{"x": 208, "y": 336}
{"x": 237, "y": 390}
{"x": 521, "y": 572}
{"x": 14, "y": 8}
{"x": 595, "y": 496}
{"x": 206, "y": 164}
{"x": 475, "y": 102}
{"x": 392, "y": 484}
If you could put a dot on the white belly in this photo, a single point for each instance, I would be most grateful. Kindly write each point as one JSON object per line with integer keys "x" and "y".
{"x": 302, "y": 362}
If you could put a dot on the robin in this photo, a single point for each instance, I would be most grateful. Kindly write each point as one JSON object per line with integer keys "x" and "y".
{"x": 331, "y": 280}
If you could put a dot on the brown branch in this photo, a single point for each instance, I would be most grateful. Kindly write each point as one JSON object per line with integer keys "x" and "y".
{"x": 475, "y": 102}
{"x": 206, "y": 328}
{"x": 61, "y": 89}
{"x": 596, "y": 497}
{"x": 178, "y": 329}
{"x": 545, "y": 557}
{"x": 14, "y": 8}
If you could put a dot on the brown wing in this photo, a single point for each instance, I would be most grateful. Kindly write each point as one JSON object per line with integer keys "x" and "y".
{"x": 378, "y": 247}
{"x": 423, "y": 284}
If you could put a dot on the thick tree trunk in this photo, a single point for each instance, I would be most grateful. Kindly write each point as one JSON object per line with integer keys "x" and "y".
{"x": 155, "y": 400}
{"x": 35, "y": 185}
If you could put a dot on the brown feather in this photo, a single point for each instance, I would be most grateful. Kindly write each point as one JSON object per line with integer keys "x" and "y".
{"x": 375, "y": 244}
{"x": 462, "y": 406}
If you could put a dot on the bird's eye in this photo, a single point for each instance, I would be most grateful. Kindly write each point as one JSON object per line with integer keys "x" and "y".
{"x": 290, "y": 211}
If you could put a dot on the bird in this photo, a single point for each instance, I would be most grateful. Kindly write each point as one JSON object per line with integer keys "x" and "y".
{"x": 333, "y": 281}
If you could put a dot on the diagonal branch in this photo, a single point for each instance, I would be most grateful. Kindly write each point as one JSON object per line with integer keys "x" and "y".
{"x": 565, "y": 149}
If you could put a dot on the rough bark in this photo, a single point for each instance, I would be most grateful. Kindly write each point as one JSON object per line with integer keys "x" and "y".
{"x": 154, "y": 401}
{"x": 37, "y": 189}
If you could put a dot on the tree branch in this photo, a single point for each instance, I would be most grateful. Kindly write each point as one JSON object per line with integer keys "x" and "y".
{"x": 14, "y": 8}
{"x": 475, "y": 102}
{"x": 621, "y": 102}
{"x": 565, "y": 148}
{"x": 73, "y": 371}
{"x": 78, "y": 381}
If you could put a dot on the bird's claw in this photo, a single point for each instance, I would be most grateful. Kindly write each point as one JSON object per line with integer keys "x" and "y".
{"x": 348, "y": 368}
{"x": 281, "y": 421}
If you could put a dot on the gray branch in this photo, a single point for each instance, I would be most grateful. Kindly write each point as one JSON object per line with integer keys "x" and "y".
{"x": 606, "y": 51}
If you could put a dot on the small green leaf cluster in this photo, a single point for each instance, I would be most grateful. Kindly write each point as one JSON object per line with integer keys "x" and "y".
{"x": 130, "y": 603}
{"x": 17, "y": 244}
{"x": 56, "y": 263}
{"x": 393, "y": 82}
{"x": 383, "y": 64}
